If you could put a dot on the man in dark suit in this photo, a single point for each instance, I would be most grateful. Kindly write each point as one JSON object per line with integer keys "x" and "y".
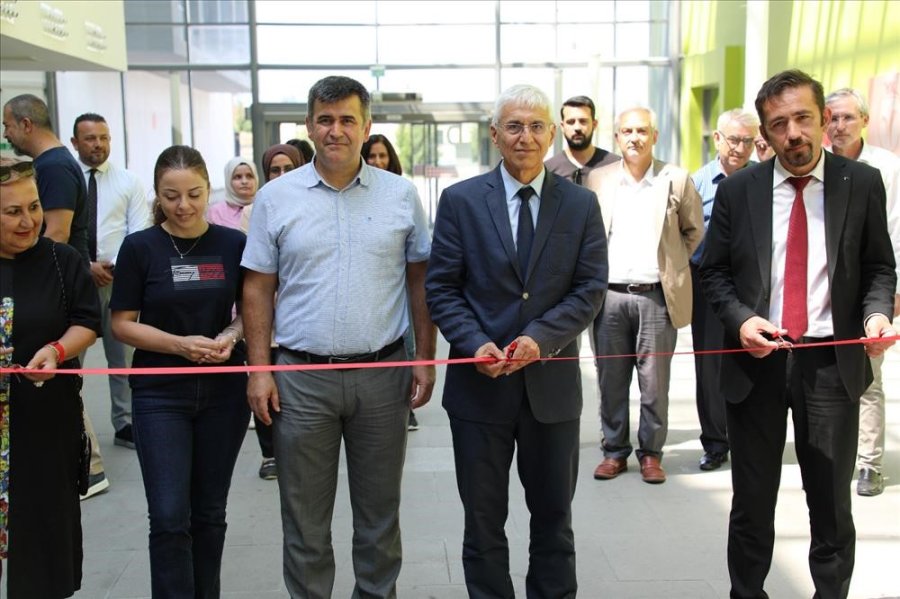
{"x": 518, "y": 262}
{"x": 797, "y": 251}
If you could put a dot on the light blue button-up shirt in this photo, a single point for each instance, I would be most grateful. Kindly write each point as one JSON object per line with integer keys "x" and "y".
{"x": 706, "y": 180}
{"x": 340, "y": 256}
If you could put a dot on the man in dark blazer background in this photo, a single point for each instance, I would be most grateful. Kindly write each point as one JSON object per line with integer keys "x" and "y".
{"x": 820, "y": 219}
{"x": 518, "y": 270}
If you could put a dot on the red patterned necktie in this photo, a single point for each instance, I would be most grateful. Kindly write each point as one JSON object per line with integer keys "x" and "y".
{"x": 794, "y": 312}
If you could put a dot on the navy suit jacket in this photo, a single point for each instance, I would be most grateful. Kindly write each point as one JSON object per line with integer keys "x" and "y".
{"x": 737, "y": 264}
{"x": 477, "y": 294}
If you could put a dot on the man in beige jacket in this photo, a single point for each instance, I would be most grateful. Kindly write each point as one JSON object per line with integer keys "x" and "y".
{"x": 654, "y": 221}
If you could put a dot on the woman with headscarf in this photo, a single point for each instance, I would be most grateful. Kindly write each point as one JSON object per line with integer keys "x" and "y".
{"x": 241, "y": 183}
{"x": 278, "y": 160}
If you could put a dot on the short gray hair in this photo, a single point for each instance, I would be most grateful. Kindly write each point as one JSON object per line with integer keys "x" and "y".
{"x": 635, "y": 108}
{"x": 28, "y": 106}
{"x": 524, "y": 95}
{"x": 849, "y": 92}
{"x": 739, "y": 115}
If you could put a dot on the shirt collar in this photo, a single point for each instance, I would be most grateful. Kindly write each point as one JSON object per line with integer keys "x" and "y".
{"x": 782, "y": 174}
{"x": 103, "y": 168}
{"x": 512, "y": 185}
{"x": 312, "y": 178}
{"x": 626, "y": 179}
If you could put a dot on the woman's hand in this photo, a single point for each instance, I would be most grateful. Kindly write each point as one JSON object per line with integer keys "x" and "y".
{"x": 43, "y": 359}
{"x": 198, "y": 348}
{"x": 226, "y": 340}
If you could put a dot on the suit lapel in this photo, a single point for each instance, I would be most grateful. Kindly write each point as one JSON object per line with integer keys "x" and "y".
{"x": 759, "y": 207}
{"x": 496, "y": 201}
{"x": 837, "y": 201}
{"x": 662, "y": 184}
{"x": 546, "y": 216}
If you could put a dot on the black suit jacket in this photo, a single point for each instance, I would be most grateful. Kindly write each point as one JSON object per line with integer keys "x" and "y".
{"x": 737, "y": 263}
{"x": 477, "y": 294}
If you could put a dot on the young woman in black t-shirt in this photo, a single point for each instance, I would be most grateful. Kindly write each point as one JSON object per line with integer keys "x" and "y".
{"x": 173, "y": 291}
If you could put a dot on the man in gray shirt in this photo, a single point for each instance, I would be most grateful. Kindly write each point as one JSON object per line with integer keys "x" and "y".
{"x": 343, "y": 243}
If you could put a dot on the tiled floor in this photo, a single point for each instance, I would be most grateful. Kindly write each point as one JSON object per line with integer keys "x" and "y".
{"x": 633, "y": 539}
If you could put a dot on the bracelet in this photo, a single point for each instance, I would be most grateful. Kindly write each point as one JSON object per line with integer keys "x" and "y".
{"x": 57, "y": 347}
{"x": 237, "y": 334}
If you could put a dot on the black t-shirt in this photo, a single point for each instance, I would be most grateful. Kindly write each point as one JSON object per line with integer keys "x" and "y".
{"x": 193, "y": 295}
{"x": 61, "y": 185}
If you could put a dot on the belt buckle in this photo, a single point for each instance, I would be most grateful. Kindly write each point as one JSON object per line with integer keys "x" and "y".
{"x": 633, "y": 288}
{"x": 338, "y": 359}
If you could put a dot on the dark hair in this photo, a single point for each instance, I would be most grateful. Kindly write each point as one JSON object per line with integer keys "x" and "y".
{"x": 578, "y": 102}
{"x": 29, "y": 106}
{"x": 92, "y": 117}
{"x": 176, "y": 158}
{"x": 776, "y": 85}
{"x": 394, "y": 165}
{"x": 336, "y": 88}
{"x": 306, "y": 149}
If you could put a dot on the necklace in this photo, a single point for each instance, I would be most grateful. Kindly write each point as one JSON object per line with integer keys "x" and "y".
{"x": 190, "y": 249}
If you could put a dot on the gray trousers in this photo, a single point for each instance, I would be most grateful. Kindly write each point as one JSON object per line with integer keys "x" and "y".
{"x": 634, "y": 324}
{"x": 118, "y": 355}
{"x": 871, "y": 421}
{"x": 369, "y": 410}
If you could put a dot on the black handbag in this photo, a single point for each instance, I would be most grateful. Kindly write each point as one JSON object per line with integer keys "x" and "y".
{"x": 84, "y": 448}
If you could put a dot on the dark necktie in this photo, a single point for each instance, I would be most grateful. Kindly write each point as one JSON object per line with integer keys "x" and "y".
{"x": 92, "y": 215}
{"x": 794, "y": 311}
{"x": 525, "y": 232}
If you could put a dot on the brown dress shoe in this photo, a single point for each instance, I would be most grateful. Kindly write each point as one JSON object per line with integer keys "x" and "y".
{"x": 651, "y": 471}
{"x": 610, "y": 468}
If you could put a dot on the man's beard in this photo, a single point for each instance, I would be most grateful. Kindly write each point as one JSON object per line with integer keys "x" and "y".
{"x": 16, "y": 149}
{"x": 584, "y": 144}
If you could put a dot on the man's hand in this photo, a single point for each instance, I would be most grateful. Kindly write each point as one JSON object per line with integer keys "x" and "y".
{"x": 752, "y": 336}
{"x": 491, "y": 369}
{"x": 102, "y": 273}
{"x": 877, "y": 326}
{"x": 422, "y": 386}
{"x": 896, "y": 305}
{"x": 262, "y": 393}
{"x": 526, "y": 351}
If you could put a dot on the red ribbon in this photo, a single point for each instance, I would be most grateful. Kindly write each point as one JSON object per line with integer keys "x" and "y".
{"x": 437, "y": 362}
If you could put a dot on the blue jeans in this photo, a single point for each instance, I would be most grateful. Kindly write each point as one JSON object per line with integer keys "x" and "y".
{"x": 187, "y": 442}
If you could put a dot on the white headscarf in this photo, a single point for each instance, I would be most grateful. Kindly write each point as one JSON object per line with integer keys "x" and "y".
{"x": 230, "y": 196}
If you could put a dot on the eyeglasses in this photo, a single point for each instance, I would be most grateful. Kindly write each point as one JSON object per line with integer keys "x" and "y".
{"x": 280, "y": 170}
{"x": 734, "y": 142}
{"x": 577, "y": 176}
{"x": 17, "y": 170}
{"x": 514, "y": 128}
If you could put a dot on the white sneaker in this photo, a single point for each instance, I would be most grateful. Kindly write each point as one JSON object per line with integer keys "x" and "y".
{"x": 97, "y": 483}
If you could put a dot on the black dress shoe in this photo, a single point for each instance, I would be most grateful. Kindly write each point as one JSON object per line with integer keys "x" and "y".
{"x": 713, "y": 460}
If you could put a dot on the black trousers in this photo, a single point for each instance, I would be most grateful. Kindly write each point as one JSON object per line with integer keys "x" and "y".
{"x": 707, "y": 334}
{"x": 547, "y": 461}
{"x": 826, "y": 422}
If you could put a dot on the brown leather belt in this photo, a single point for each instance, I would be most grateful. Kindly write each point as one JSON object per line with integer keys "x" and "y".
{"x": 634, "y": 287}
{"x": 375, "y": 356}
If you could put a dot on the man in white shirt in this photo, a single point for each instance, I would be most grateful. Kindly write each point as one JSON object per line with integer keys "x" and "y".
{"x": 849, "y": 116}
{"x": 654, "y": 222}
{"x": 116, "y": 207}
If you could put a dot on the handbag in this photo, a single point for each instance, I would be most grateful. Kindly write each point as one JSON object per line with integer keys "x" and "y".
{"x": 84, "y": 448}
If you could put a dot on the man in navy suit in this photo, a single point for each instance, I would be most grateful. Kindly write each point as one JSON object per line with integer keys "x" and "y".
{"x": 797, "y": 251}
{"x": 518, "y": 270}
